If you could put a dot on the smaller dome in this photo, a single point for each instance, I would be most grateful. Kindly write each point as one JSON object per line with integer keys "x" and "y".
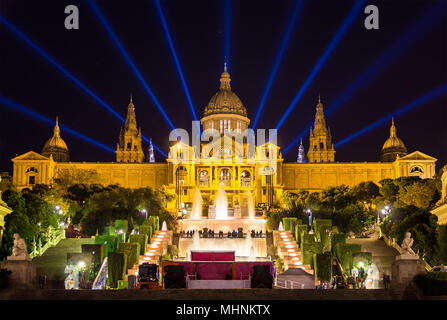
{"x": 56, "y": 146}
{"x": 393, "y": 141}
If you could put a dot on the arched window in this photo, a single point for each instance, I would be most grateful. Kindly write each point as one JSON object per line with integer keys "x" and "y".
{"x": 416, "y": 170}
{"x": 225, "y": 177}
{"x": 204, "y": 178}
{"x": 245, "y": 178}
{"x": 32, "y": 170}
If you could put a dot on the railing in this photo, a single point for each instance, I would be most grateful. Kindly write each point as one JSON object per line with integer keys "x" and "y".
{"x": 288, "y": 284}
{"x": 101, "y": 278}
{"x": 392, "y": 243}
{"x": 54, "y": 237}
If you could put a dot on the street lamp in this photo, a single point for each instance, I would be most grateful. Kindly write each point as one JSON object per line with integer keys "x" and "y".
{"x": 309, "y": 212}
{"x": 145, "y": 212}
{"x": 385, "y": 211}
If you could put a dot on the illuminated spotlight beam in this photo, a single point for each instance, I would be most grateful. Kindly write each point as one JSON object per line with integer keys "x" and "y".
{"x": 33, "y": 45}
{"x": 227, "y": 30}
{"x": 359, "y": 5}
{"x": 416, "y": 103}
{"x": 176, "y": 60}
{"x": 416, "y": 32}
{"x": 278, "y": 60}
{"x": 129, "y": 61}
{"x": 15, "y": 106}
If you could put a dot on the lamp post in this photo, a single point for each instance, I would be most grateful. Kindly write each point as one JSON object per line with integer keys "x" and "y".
{"x": 309, "y": 212}
{"x": 145, "y": 212}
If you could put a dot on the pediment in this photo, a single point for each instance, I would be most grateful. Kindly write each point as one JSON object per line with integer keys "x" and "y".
{"x": 31, "y": 155}
{"x": 417, "y": 155}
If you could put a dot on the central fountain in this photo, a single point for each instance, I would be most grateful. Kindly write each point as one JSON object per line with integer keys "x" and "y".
{"x": 246, "y": 247}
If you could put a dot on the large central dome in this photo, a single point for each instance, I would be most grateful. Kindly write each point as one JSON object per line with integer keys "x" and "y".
{"x": 225, "y": 110}
{"x": 225, "y": 100}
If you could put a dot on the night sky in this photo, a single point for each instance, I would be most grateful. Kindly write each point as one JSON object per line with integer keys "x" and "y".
{"x": 198, "y": 32}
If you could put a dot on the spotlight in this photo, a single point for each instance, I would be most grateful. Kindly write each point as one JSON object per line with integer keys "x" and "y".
{"x": 33, "y": 45}
{"x": 278, "y": 60}
{"x": 416, "y": 32}
{"x": 359, "y": 5}
{"x": 15, "y": 106}
{"x": 416, "y": 103}
{"x": 129, "y": 61}
{"x": 174, "y": 55}
{"x": 227, "y": 32}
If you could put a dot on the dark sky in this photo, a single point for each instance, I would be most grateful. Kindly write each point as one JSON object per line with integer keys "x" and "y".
{"x": 197, "y": 29}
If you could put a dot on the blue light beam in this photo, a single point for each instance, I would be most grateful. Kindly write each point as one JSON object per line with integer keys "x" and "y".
{"x": 278, "y": 60}
{"x": 416, "y": 103}
{"x": 417, "y": 30}
{"x": 415, "y": 33}
{"x": 33, "y": 45}
{"x": 174, "y": 55}
{"x": 359, "y": 5}
{"x": 129, "y": 61}
{"x": 15, "y": 106}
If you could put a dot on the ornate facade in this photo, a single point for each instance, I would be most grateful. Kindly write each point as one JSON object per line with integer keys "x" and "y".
{"x": 245, "y": 173}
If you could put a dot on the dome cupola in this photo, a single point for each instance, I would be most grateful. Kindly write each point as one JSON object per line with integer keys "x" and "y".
{"x": 393, "y": 146}
{"x": 56, "y": 146}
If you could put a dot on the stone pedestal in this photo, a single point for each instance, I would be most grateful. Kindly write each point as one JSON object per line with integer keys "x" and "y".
{"x": 405, "y": 268}
{"x": 23, "y": 272}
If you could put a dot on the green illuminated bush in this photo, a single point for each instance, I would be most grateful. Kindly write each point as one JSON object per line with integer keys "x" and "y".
{"x": 338, "y": 238}
{"x": 109, "y": 242}
{"x": 344, "y": 254}
{"x": 132, "y": 252}
{"x": 147, "y": 230}
{"x": 122, "y": 284}
{"x": 323, "y": 266}
{"x": 365, "y": 257}
{"x": 122, "y": 225}
{"x": 299, "y": 229}
{"x": 290, "y": 223}
{"x": 154, "y": 221}
{"x": 141, "y": 239}
{"x": 309, "y": 247}
{"x": 116, "y": 268}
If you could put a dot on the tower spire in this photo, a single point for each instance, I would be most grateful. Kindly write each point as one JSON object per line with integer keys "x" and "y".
{"x": 225, "y": 79}
{"x": 151, "y": 156}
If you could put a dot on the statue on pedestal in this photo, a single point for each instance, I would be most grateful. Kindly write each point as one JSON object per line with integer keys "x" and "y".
{"x": 19, "y": 249}
{"x": 406, "y": 245}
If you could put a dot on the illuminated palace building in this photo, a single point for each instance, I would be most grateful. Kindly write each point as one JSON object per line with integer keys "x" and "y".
{"x": 243, "y": 174}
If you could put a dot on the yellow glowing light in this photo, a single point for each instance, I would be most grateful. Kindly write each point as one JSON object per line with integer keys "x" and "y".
{"x": 293, "y": 254}
{"x": 289, "y": 246}
{"x": 291, "y": 250}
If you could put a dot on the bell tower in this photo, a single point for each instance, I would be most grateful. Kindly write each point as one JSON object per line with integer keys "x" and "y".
{"x": 321, "y": 148}
{"x": 129, "y": 147}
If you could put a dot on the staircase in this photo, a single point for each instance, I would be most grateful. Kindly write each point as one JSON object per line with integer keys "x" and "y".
{"x": 157, "y": 248}
{"x": 52, "y": 263}
{"x": 383, "y": 255}
{"x": 288, "y": 251}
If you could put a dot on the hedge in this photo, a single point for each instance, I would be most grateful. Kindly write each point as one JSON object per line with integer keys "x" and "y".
{"x": 300, "y": 228}
{"x": 147, "y": 230}
{"x": 323, "y": 266}
{"x": 365, "y": 257}
{"x": 433, "y": 283}
{"x": 324, "y": 237}
{"x": 141, "y": 239}
{"x": 321, "y": 224}
{"x": 154, "y": 222}
{"x": 116, "y": 268}
{"x": 337, "y": 238}
{"x": 109, "y": 231}
{"x": 132, "y": 252}
{"x": 309, "y": 247}
{"x": 109, "y": 242}
{"x": 122, "y": 225}
{"x": 344, "y": 254}
{"x": 122, "y": 284}
{"x": 290, "y": 223}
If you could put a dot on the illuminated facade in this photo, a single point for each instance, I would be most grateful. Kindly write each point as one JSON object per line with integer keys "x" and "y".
{"x": 224, "y": 160}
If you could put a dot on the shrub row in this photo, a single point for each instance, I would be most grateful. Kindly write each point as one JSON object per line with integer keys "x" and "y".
{"x": 323, "y": 266}
{"x": 309, "y": 247}
{"x": 433, "y": 283}
{"x": 132, "y": 252}
{"x": 116, "y": 268}
{"x": 290, "y": 223}
{"x": 299, "y": 229}
{"x": 141, "y": 239}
